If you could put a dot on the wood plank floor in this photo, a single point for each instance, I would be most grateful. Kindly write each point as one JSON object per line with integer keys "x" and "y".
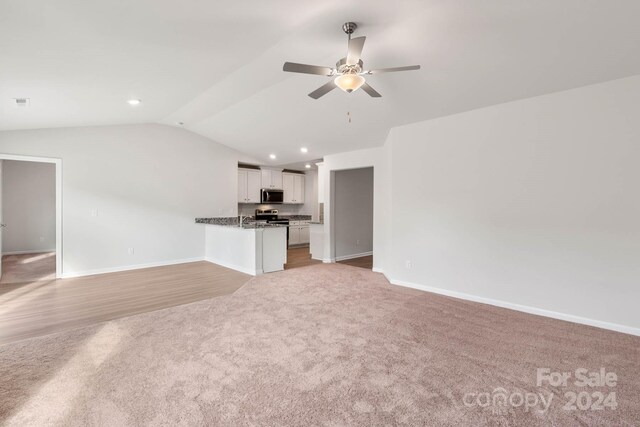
{"x": 28, "y": 267}
{"x": 34, "y": 303}
{"x": 300, "y": 257}
{"x": 40, "y": 307}
{"x": 362, "y": 262}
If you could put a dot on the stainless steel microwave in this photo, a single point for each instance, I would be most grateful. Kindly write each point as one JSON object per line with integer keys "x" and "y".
{"x": 271, "y": 197}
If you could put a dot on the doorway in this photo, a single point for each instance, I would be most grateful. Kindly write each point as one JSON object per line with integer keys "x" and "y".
{"x": 352, "y": 217}
{"x": 30, "y": 214}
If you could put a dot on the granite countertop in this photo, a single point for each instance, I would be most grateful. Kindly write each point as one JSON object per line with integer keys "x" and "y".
{"x": 249, "y": 224}
{"x": 295, "y": 217}
{"x": 317, "y": 222}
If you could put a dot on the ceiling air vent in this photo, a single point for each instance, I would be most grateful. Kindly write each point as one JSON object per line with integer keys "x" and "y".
{"x": 22, "y": 102}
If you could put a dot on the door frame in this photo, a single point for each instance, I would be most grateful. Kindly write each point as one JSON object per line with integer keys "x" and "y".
{"x": 58, "y": 163}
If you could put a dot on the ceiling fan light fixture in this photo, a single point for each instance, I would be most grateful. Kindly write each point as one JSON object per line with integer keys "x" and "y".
{"x": 349, "y": 82}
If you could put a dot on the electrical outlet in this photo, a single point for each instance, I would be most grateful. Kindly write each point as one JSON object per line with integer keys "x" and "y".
{"x": 94, "y": 212}
{"x": 131, "y": 251}
{"x": 42, "y": 238}
{"x": 358, "y": 242}
{"x": 407, "y": 263}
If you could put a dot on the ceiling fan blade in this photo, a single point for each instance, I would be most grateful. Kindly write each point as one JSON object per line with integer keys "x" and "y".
{"x": 355, "y": 50}
{"x": 391, "y": 70}
{"x": 293, "y": 67}
{"x": 323, "y": 90}
{"x": 371, "y": 91}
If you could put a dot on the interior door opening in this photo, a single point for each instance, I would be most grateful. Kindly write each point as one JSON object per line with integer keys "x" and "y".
{"x": 352, "y": 217}
{"x": 30, "y": 241}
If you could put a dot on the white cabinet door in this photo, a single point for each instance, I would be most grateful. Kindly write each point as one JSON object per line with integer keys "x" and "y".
{"x": 276, "y": 180}
{"x": 271, "y": 179}
{"x": 288, "y": 187}
{"x": 242, "y": 186}
{"x": 265, "y": 178}
{"x": 304, "y": 234}
{"x": 293, "y": 186}
{"x": 254, "y": 181}
{"x": 298, "y": 189}
{"x": 294, "y": 235}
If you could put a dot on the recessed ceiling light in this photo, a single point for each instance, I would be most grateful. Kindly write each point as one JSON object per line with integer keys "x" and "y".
{"x": 134, "y": 102}
{"x": 304, "y": 149}
{"x": 272, "y": 156}
{"x": 308, "y": 166}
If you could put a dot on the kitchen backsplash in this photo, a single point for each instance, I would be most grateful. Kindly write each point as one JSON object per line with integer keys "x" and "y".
{"x": 284, "y": 210}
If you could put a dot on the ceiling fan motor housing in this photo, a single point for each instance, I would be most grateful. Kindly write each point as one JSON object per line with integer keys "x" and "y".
{"x": 349, "y": 27}
{"x": 343, "y": 68}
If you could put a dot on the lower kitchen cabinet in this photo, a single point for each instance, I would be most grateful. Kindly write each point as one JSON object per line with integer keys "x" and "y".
{"x": 304, "y": 234}
{"x": 298, "y": 232}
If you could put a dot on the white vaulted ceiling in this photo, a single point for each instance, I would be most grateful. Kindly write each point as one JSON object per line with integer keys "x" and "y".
{"x": 217, "y": 66}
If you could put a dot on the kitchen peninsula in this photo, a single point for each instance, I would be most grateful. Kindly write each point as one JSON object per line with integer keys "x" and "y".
{"x": 253, "y": 248}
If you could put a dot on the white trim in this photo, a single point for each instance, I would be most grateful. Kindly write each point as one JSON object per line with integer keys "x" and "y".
{"x": 252, "y": 272}
{"x": 378, "y": 270}
{"x": 346, "y": 257}
{"x": 523, "y": 308}
{"x": 58, "y": 163}
{"x": 328, "y": 260}
{"x": 130, "y": 267}
{"x": 39, "y": 251}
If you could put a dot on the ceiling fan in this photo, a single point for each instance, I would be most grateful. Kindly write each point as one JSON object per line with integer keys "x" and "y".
{"x": 349, "y": 71}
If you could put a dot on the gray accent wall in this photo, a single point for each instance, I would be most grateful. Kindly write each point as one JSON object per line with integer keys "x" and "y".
{"x": 353, "y": 212}
{"x": 29, "y": 207}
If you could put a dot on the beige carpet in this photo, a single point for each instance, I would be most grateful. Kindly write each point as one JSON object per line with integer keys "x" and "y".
{"x": 326, "y": 345}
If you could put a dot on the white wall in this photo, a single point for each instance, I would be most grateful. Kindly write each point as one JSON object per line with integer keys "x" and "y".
{"x": 534, "y": 203}
{"x": 28, "y": 207}
{"x": 146, "y": 183}
{"x": 353, "y": 212}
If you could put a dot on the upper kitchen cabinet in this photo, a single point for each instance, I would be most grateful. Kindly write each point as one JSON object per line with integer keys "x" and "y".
{"x": 249, "y": 184}
{"x": 293, "y": 186}
{"x": 271, "y": 178}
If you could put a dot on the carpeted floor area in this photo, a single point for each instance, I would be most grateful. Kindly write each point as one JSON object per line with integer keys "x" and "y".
{"x": 325, "y": 345}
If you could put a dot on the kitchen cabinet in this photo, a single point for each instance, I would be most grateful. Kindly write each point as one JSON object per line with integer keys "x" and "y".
{"x": 298, "y": 232}
{"x": 271, "y": 178}
{"x": 249, "y": 184}
{"x": 293, "y": 186}
{"x": 304, "y": 234}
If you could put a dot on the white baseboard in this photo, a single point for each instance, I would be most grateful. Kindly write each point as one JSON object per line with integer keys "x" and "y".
{"x": 523, "y": 308}
{"x": 241, "y": 269}
{"x": 379, "y": 270}
{"x": 328, "y": 260}
{"x": 39, "y": 251}
{"x": 345, "y": 257}
{"x": 129, "y": 267}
